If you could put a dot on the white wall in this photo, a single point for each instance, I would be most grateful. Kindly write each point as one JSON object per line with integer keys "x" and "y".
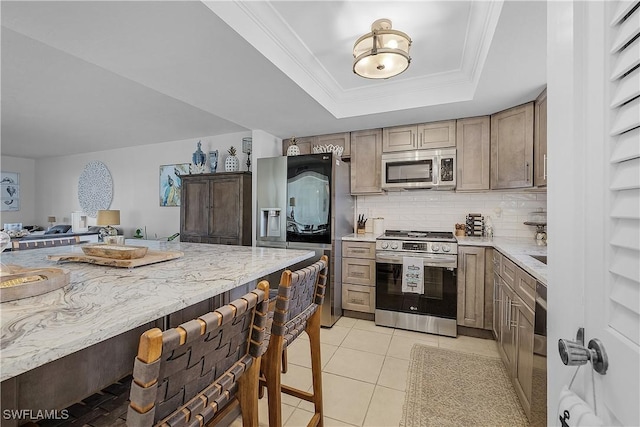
{"x": 27, "y": 214}
{"x": 135, "y": 174}
{"x": 441, "y": 210}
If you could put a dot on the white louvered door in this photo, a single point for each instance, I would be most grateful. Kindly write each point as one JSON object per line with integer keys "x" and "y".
{"x": 594, "y": 200}
{"x": 618, "y": 326}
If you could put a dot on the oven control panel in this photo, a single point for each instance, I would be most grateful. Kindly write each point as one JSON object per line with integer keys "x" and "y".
{"x": 417, "y": 246}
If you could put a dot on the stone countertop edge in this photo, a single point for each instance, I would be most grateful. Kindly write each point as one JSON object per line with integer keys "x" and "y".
{"x": 101, "y": 302}
{"x": 366, "y": 237}
{"x": 517, "y": 249}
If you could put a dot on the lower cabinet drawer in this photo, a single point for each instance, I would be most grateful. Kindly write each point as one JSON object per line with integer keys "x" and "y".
{"x": 525, "y": 287}
{"x": 359, "y": 271}
{"x": 508, "y": 271}
{"x": 358, "y": 298}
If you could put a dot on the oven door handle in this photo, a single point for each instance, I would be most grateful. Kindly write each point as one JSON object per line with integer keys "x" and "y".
{"x": 429, "y": 261}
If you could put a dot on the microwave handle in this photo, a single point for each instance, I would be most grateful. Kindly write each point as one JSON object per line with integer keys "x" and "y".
{"x": 436, "y": 170}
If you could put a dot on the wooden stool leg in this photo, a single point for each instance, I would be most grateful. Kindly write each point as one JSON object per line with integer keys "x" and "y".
{"x": 284, "y": 361}
{"x": 273, "y": 357}
{"x": 248, "y": 394}
{"x": 313, "y": 330}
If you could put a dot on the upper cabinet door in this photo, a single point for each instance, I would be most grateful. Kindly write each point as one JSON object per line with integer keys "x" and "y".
{"x": 437, "y": 135}
{"x": 473, "y": 146}
{"x": 512, "y": 148}
{"x": 540, "y": 141}
{"x": 400, "y": 138}
{"x": 366, "y": 162}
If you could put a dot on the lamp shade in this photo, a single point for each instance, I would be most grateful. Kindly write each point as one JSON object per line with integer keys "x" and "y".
{"x": 246, "y": 144}
{"x": 108, "y": 217}
{"x": 51, "y": 219}
{"x": 382, "y": 53}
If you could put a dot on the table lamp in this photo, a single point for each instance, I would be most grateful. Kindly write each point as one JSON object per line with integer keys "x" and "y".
{"x": 108, "y": 218}
{"x": 51, "y": 220}
{"x": 246, "y": 148}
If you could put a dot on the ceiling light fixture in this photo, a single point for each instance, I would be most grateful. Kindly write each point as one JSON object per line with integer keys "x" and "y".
{"x": 382, "y": 53}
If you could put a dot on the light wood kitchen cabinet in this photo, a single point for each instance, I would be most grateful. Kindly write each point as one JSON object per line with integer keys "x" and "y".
{"x": 523, "y": 376}
{"x": 306, "y": 143}
{"x": 475, "y": 287}
{"x": 497, "y": 303}
{"x": 358, "y": 276}
{"x": 540, "y": 140}
{"x": 473, "y": 143}
{"x": 419, "y": 136}
{"x": 216, "y": 208}
{"x": 512, "y": 148}
{"x": 514, "y": 317}
{"x": 507, "y": 343}
{"x": 366, "y": 162}
{"x": 471, "y": 261}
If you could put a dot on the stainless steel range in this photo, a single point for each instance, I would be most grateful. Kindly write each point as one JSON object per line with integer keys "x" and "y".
{"x": 416, "y": 285}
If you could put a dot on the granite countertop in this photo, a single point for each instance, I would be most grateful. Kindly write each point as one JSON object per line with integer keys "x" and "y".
{"x": 518, "y": 250}
{"x": 101, "y": 302}
{"x": 366, "y": 237}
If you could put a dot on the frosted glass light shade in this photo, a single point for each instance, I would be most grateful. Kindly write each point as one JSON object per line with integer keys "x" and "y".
{"x": 382, "y": 53}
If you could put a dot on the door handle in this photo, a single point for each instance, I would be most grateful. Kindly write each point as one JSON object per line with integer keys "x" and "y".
{"x": 574, "y": 353}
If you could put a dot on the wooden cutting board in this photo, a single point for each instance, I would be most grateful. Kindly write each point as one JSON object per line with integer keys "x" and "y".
{"x": 19, "y": 282}
{"x": 151, "y": 257}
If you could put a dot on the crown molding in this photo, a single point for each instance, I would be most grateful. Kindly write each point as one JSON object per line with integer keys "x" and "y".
{"x": 259, "y": 23}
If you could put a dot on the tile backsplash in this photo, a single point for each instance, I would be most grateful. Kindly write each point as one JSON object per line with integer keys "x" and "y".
{"x": 441, "y": 210}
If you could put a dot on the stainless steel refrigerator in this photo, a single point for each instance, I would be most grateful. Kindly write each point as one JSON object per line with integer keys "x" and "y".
{"x": 304, "y": 202}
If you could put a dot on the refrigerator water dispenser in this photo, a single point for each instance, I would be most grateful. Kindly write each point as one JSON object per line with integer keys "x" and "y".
{"x": 270, "y": 222}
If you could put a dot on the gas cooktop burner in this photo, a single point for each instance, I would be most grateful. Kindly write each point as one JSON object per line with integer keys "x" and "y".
{"x": 442, "y": 236}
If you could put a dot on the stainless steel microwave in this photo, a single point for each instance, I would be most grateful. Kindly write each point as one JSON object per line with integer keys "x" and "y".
{"x": 434, "y": 169}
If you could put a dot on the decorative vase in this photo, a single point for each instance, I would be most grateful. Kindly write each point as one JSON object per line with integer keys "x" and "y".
{"x": 199, "y": 158}
{"x": 232, "y": 164}
{"x": 213, "y": 161}
{"x": 293, "y": 149}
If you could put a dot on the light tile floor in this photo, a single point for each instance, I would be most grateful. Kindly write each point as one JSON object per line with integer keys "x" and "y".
{"x": 364, "y": 373}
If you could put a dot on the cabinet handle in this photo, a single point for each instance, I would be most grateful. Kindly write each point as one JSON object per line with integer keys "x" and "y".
{"x": 356, "y": 274}
{"x": 526, "y": 170}
{"x": 512, "y": 323}
{"x": 414, "y": 143}
{"x": 544, "y": 166}
{"x": 357, "y": 301}
{"x": 359, "y": 251}
{"x": 420, "y": 140}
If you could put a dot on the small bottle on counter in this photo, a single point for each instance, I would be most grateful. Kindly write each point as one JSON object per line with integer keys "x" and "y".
{"x": 488, "y": 227}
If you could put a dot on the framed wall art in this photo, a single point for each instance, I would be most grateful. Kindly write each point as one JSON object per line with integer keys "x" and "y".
{"x": 171, "y": 183}
{"x": 10, "y": 197}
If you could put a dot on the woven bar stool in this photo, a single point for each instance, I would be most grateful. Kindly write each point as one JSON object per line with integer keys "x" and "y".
{"x": 297, "y": 309}
{"x": 185, "y": 376}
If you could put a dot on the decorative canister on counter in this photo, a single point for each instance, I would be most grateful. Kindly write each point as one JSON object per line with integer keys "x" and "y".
{"x": 460, "y": 230}
{"x": 378, "y": 225}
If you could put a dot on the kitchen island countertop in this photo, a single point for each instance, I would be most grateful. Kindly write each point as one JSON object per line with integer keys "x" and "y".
{"x": 518, "y": 250}
{"x": 101, "y": 302}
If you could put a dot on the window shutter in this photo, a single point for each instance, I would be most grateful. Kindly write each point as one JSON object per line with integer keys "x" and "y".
{"x": 623, "y": 315}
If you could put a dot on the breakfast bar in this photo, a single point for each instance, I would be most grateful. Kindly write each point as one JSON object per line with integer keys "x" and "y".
{"x": 91, "y": 323}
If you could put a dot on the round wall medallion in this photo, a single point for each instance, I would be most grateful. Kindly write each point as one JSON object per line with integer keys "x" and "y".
{"x": 95, "y": 188}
